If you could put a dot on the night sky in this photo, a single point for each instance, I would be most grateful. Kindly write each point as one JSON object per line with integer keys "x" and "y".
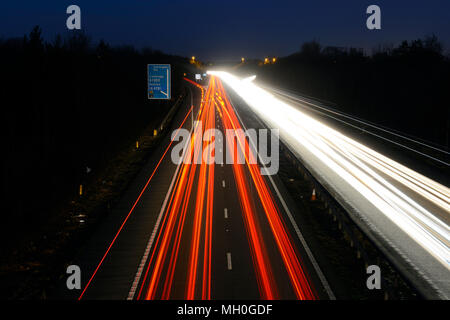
{"x": 232, "y": 29}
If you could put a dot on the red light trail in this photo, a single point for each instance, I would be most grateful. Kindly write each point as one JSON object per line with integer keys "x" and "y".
{"x": 297, "y": 275}
{"x": 196, "y": 224}
{"x": 181, "y": 256}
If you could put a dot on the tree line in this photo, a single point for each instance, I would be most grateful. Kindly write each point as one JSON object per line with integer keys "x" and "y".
{"x": 404, "y": 87}
{"x": 66, "y": 105}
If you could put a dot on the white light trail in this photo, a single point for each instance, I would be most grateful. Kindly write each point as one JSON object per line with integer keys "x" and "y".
{"x": 395, "y": 190}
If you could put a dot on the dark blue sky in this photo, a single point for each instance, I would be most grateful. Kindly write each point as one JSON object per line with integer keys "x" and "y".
{"x": 230, "y": 29}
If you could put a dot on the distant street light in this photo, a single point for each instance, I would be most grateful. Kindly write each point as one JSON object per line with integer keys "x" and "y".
{"x": 242, "y": 59}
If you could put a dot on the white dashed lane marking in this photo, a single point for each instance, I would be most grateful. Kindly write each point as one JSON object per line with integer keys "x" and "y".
{"x": 229, "y": 265}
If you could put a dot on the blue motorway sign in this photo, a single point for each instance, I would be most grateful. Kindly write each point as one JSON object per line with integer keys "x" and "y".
{"x": 158, "y": 79}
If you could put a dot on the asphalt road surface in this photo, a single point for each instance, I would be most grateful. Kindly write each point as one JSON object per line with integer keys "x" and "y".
{"x": 189, "y": 227}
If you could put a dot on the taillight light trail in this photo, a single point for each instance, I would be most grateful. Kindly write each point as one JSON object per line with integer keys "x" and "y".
{"x": 174, "y": 227}
{"x": 299, "y": 279}
{"x": 189, "y": 216}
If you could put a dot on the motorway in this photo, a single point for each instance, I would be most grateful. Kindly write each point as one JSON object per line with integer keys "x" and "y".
{"x": 189, "y": 227}
{"x": 405, "y": 213}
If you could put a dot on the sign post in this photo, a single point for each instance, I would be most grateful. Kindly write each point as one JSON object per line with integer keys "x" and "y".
{"x": 158, "y": 81}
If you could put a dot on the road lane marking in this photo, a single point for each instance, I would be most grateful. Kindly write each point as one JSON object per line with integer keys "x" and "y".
{"x": 225, "y": 212}
{"x": 155, "y": 229}
{"x": 229, "y": 265}
{"x": 152, "y": 238}
{"x": 223, "y": 183}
